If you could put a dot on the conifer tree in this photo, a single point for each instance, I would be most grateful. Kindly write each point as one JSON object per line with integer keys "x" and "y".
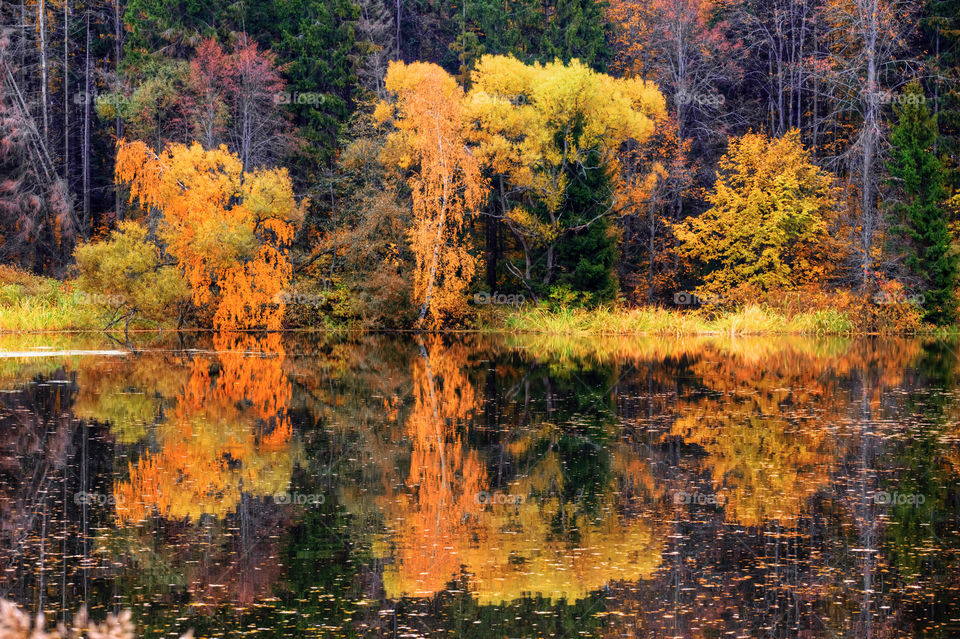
{"x": 917, "y": 175}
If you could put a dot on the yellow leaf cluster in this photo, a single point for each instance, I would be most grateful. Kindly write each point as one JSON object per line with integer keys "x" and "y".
{"x": 531, "y": 121}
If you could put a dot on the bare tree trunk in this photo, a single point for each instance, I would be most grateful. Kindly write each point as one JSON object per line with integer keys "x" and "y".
{"x": 66, "y": 92}
{"x": 42, "y": 24}
{"x": 869, "y": 135}
{"x": 86, "y": 135}
{"x": 118, "y": 124}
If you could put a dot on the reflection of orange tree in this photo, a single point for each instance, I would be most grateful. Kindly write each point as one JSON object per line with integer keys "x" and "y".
{"x": 431, "y": 519}
{"x": 505, "y": 549}
{"x": 227, "y": 434}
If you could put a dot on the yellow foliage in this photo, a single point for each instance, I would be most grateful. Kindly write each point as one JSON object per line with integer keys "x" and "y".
{"x": 770, "y": 218}
{"x": 531, "y": 120}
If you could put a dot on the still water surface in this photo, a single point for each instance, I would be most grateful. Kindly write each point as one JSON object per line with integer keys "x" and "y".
{"x": 469, "y": 486}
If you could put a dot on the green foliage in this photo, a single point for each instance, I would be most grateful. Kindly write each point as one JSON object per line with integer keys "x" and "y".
{"x": 363, "y": 258}
{"x": 576, "y": 29}
{"x": 170, "y": 25}
{"x": 585, "y": 258}
{"x": 917, "y": 175}
{"x": 941, "y": 28}
{"x": 154, "y": 111}
{"x": 125, "y": 274}
{"x": 317, "y": 40}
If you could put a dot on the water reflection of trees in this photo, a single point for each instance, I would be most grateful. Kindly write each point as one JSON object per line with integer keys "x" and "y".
{"x": 597, "y": 439}
{"x": 226, "y": 433}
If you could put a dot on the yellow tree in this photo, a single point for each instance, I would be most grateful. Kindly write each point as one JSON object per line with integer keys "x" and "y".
{"x": 551, "y": 134}
{"x": 445, "y": 181}
{"x": 769, "y": 220}
{"x": 226, "y": 227}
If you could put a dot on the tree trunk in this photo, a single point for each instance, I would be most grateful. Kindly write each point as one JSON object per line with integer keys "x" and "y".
{"x": 66, "y": 92}
{"x": 42, "y": 24}
{"x": 86, "y": 135}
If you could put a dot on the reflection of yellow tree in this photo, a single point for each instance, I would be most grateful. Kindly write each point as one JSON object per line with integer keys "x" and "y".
{"x": 769, "y": 424}
{"x": 442, "y": 529}
{"x": 520, "y": 550}
{"x": 228, "y": 433}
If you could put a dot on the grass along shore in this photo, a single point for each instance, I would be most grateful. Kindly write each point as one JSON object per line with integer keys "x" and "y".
{"x": 747, "y": 319}
{"x": 30, "y": 303}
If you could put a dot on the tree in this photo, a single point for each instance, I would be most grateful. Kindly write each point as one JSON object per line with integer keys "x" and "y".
{"x": 682, "y": 47}
{"x": 577, "y": 30}
{"x": 941, "y": 27}
{"x": 127, "y": 273}
{"x": 36, "y": 213}
{"x": 533, "y": 31}
{"x": 445, "y": 182}
{"x": 769, "y": 220}
{"x": 317, "y": 40}
{"x": 917, "y": 174}
{"x": 231, "y": 97}
{"x": 856, "y": 69}
{"x": 226, "y": 227}
{"x": 550, "y": 135}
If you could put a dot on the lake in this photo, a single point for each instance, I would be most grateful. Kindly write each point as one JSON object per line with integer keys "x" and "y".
{"x": 484, "y": 486}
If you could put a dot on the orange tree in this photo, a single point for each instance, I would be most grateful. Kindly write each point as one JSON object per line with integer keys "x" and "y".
{"x": 445, "y": 181}
{"x": 226, "y": 227}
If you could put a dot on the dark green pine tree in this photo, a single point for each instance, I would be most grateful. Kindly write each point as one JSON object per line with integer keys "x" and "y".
{"x": 941, "y": 31}
{"x": 579, "y": 29}
{"x": 316, "y": 39}
{"x": 173, "y": 27}
{"x": 917, "y": 175}
{"x": 534, "y": 31}
{"x": 488, "y": 26}
{"x": 585, "y": 257}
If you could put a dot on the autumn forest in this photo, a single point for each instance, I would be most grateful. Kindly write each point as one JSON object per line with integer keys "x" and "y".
{"x": 653, "y": 165}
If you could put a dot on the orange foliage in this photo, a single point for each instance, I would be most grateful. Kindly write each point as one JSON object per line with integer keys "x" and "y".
{"x": 445, "y": 476}
{"x": 227, "y": 434}
{"x": 226, "y": 227}
{"x": 446, "y": 183}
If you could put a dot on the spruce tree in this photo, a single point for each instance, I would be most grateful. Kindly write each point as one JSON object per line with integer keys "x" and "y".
{"x": 941, "y": 31}
{"x": 534, "y": 31}
{"x": 579, "y": 29}
{"x": 917, "y": 175}
{"x": 317, "y": 40}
